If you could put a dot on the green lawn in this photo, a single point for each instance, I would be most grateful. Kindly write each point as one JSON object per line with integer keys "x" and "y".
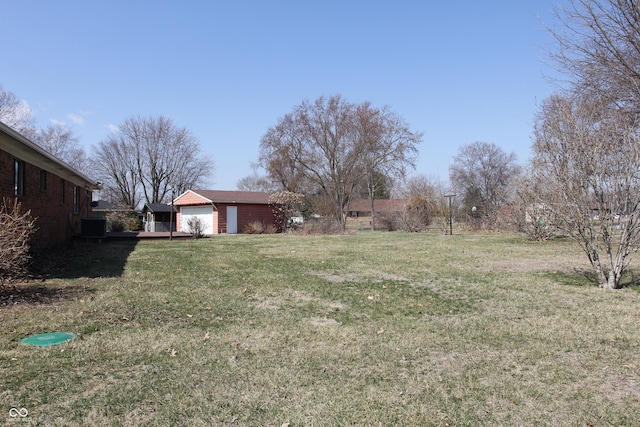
{"x": 389, "y": 329}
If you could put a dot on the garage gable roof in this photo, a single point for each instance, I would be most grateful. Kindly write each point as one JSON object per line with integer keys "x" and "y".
{"x": 195, "y": 197}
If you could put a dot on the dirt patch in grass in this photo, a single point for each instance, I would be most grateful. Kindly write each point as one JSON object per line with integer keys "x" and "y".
{"x": 323, "y": 321}
{"x": 333, "y": 278}
{"x": 533, "y": 265}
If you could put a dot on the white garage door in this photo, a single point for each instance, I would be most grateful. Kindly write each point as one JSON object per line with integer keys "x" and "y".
{"x": 204, "y": 213}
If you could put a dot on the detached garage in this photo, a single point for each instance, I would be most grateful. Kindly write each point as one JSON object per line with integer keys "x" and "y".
{"x": 223, "y": 211}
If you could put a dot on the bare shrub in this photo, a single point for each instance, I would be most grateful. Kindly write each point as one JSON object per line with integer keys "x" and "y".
{"x": 322, "y": 225}
{"x": 16, "y": 230}
{"x": 390, "y": 221}
{"x": 195, "y": 227}
{"x": 258, "y": 227}
{"x": 417, "y": 214}
{"x": 254, "y": 227}
{"x": 121, "y": 221}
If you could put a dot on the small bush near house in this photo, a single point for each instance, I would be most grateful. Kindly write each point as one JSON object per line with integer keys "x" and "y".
{"x": 195, "y": 227}
{"x": 254, "y": 227}
{"x": 320, "y": 225}
{"x": 389, "y": 220}
{"x": 257, "y": 227}
{"x": 16, "y": 229}
{"x": 121, "y": 221}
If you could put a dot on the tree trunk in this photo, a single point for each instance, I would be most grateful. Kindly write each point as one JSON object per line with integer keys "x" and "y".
{"x": 613, "y": 281}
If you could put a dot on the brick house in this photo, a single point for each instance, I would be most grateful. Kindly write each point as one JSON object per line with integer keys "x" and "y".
{"x": 58, "y": 196}
{"x": 360, "y": 208}
{"x": 223, "y": 211}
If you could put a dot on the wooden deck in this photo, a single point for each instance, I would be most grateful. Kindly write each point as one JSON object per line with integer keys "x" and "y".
{"x": 147, "y": 235}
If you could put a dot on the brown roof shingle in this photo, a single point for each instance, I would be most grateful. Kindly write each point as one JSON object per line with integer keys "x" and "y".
{"x": 246, "y": 197}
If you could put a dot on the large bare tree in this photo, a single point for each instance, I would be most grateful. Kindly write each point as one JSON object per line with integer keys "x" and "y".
{"x": 586, "y": 140}
{"x": 329, "y": 147}
{"x": 16, "y": 113}
{"x": 598, "y": 49}
{"x": 59, "y": 140}
{"x": 390, "y": 147}
{"x": 483, "y": 175}
{"x": 149, "y": 158}
{"x": 587, "y": 158}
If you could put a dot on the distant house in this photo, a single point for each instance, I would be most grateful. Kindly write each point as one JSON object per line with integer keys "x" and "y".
{"x": 158, "y": 217}
{"x": 223, "y": 211}
{"x": 58, "y": 196}
{"x": 360, "y": 208}
{"x": 101, "y": 208}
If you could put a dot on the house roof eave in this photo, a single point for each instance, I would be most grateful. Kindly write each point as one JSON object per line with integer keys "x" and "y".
{"x": 22, "y": 148}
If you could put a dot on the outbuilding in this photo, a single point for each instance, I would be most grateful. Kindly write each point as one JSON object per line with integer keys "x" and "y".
{"x": 223, "y": 211}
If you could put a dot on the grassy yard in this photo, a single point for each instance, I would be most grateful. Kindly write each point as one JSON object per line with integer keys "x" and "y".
{"x": 389, "y": 329}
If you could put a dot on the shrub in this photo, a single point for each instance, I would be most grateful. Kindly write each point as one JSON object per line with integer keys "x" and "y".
{"x": 257, "y": 227}
{"x": 254, "y": 227}
{"x": 321, "y": 225}
{"x": 417, "y": 215}
{"x": 16, "y": 230}
{"x": 285, "y": 206}
{"x": 195, "y": 226}
{"x": 121, "y": 221}
{"x": 389, "y": 220}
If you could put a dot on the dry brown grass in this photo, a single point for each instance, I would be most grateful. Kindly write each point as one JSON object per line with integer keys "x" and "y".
{"x": 365, "y": 329}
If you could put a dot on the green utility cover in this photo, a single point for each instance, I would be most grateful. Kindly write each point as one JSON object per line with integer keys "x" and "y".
{"x": 52, "y": 338}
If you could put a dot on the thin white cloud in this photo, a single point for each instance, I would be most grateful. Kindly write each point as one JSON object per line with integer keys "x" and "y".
{"x": 58, "y": 123}
{"x": 112, "y": 128}
{"x": 76, "y": 118}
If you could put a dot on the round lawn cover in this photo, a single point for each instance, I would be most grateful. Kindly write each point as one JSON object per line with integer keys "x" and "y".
{"x": 52, "y": 338}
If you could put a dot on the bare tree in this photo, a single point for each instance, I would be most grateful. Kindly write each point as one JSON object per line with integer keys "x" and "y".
{"x": 483, "y": 174}
{"x": 390, "y": 147}
{"x": 59, "y": 140}
{"x": 150, "y": 157}
{"x": 426, "y": 204}
{"x": 257, "y": 182}
{"x": 16, "y": 113}
{"x": 321, "y": 148}
{"x": 598, "y": 47}
{"x": 586, "y": 143}
{"x": 117, "y": 170}
{"x": 587, "y": 157}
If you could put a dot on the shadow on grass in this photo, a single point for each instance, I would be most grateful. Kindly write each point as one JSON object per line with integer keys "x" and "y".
{"x": 85, "y": 260}
{"x": 577, "y": 277}
{"x": 587, "y": 278}
{"x": 30, "y": 293}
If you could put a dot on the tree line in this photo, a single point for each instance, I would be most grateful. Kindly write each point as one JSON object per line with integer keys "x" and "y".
{"x": 582, "y": 180}
{"x": 146, "y": 161}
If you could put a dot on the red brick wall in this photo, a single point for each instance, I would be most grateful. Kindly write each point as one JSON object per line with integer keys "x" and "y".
{"x": 55, "y": 220}
{"x": 247, "y": 213}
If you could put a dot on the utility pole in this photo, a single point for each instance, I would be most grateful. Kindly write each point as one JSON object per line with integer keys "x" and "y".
{"x": 171, "y": 215}
{"x": 450, "y": 197}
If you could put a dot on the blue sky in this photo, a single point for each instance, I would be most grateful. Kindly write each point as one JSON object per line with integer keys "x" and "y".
{"x": 460, "y": 72}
